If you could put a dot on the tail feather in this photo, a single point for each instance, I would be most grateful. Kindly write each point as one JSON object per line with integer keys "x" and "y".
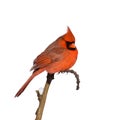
{"x": 27, "y": 82}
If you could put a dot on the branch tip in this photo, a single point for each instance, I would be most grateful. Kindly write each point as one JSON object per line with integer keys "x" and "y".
{"x": 76, "y": 76}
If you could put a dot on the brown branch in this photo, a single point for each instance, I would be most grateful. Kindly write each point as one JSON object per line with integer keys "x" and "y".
{"x": 42, "y": 98}
{"x": 76, "y": 76}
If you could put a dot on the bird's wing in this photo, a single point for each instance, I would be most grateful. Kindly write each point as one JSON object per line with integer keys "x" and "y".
{"x": 41, "y": 61}
{"x": 56, "y": 54}
{"x": 48, "y": 57}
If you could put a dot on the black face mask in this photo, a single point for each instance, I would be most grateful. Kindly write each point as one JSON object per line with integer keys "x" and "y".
{"x": 68, "y": 45}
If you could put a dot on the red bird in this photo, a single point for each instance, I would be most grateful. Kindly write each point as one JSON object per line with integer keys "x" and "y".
{"x": 58, "y": 56}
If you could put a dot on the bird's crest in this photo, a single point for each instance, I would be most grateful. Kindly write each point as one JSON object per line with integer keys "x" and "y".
{"x": 69, "y": 36}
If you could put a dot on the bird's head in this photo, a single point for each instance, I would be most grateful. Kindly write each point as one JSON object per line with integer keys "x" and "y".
{"x": 69, "y": 40}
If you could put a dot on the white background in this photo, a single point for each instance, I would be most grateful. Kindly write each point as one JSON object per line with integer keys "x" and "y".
{"x": 28, "y": 26}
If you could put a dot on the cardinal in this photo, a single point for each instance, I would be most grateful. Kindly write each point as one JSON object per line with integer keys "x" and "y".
{"x": 59, "y": 56}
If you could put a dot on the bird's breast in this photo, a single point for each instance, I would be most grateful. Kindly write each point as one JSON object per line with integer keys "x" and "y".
{"x": 65, "y": 61}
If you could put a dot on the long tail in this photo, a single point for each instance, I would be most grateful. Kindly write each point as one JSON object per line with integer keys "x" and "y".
{"x": 28, "y": 81}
